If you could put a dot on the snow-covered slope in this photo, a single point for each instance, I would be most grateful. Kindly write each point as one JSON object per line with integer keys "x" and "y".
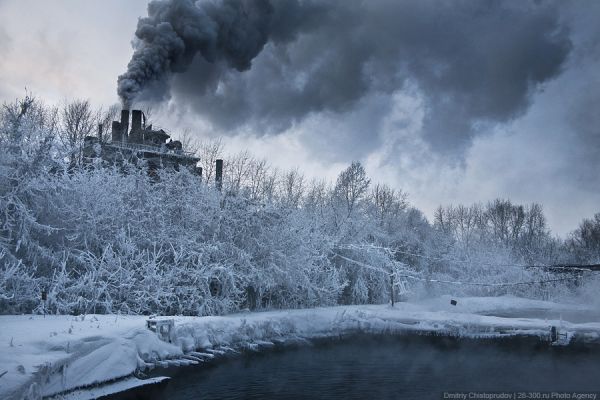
{"x": 45, "y": 356}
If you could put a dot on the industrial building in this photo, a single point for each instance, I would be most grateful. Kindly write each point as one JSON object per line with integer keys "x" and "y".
{"x": 141, "y": 145}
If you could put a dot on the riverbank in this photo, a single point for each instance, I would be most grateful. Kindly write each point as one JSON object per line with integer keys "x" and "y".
{"x": 46, "y": 356}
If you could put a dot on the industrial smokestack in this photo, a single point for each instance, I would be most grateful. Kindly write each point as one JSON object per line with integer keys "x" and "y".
{"x": 116, "y": 131}
{"x": 100, "y": 132}
{"x": 124, "y": 124}
{"x": 219, "y": 175}
{"x": 136, "y": 121}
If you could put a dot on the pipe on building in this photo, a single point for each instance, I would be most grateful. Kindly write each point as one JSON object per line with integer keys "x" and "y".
{"x": 116, "y": 131}
{"x": 136, "y": 121}
{"x": 124, "y": 124}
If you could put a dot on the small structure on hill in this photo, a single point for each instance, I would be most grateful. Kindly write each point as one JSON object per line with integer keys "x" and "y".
{"x": 163, "y": 327}
{"x": 142, "y": 145}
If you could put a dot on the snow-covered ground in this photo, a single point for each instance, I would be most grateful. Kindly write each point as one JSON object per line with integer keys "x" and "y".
{"x": 53, "y": 354}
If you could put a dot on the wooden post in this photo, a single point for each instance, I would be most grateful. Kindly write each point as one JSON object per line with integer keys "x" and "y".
{"x": 44, "y": 298}
{"x": 392, "y": 286}
{"x": 219, "y": 174}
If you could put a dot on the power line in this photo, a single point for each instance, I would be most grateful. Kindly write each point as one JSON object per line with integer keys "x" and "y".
{"x": 368, "y": 266}
{"x": 564, "y": 267}
{"x": 370, "y": 246}
{"x": 489, "y": 284}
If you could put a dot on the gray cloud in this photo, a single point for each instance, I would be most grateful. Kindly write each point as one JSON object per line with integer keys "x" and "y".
{"x": 475, "y": 63}
{"x": 380, "y": 107}
{"x": 548, "y": 155}
{"x": 584, "y": 149}
{"x": 5, "y": 43}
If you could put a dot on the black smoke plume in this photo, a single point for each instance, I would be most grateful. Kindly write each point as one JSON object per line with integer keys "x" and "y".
{"x": 175, "y": 31}
{"x": 267, "y": 64}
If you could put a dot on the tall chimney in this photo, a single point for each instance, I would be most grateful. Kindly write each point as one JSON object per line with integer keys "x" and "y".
{"x": 219, "y": 175}
{"x": 136, "y": 121}
{"x": 116, "y": 131}
{"x": 100, "y": 132}
{"x": 124, "y": 124}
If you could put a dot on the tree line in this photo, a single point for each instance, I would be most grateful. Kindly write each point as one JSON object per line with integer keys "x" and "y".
{"x": 111, "y": 239}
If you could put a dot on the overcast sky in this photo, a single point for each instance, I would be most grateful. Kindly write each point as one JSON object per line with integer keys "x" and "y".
{"x": 454, "y": 102}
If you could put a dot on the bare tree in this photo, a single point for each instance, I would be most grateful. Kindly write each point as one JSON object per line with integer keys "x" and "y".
{"x": 105, "y": 118}
{"x": 189, "y": 143}
{"x": 499, "y": 214}
{"x": 237, "y": 169}
{"x": 534, "y": 222}
{"x": 317, "y": 197}
{"x": 257, "y": 175}
{"x": 209, "y": 151}
{"x": 585, "y": 240}
{"x": 292, "y": 188}
{"x": 466, "y": 223}
{"x": 351, "y": 186}
{"x": 78, "y": 121}
{"x": 148, "y": 114}
{"x": 443, "y": 219}
{"x": 269, "y": 185}
{"x": 388, "y": 203}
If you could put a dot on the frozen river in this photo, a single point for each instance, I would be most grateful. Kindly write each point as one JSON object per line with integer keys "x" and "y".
{"x": 406, "y": 367}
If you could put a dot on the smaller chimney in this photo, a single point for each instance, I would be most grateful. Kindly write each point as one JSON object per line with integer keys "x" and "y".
{"x": 100, "y": 132}
{"x": 136, "y": 121}
{"x": 116, "y": 131}
{"x": 124, "y": 124}
{"x": 219, "y": 174}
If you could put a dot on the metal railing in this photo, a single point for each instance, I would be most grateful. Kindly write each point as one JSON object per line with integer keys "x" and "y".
{"x": 150, "y": 149}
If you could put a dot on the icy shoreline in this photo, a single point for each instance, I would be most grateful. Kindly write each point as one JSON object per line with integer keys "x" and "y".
{"x": 55, "y": 354}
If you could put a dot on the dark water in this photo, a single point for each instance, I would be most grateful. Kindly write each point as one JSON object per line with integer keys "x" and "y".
{"x": 408, "y": 367}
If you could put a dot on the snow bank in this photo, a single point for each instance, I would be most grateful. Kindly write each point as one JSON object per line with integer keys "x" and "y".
{"x": 45, "y": 356}
{"x": 48, "y": 355}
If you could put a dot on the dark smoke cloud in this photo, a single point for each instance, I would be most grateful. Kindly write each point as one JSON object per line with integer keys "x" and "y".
{"x": 228, "y": 31}
{"x": 266, "y": 65}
